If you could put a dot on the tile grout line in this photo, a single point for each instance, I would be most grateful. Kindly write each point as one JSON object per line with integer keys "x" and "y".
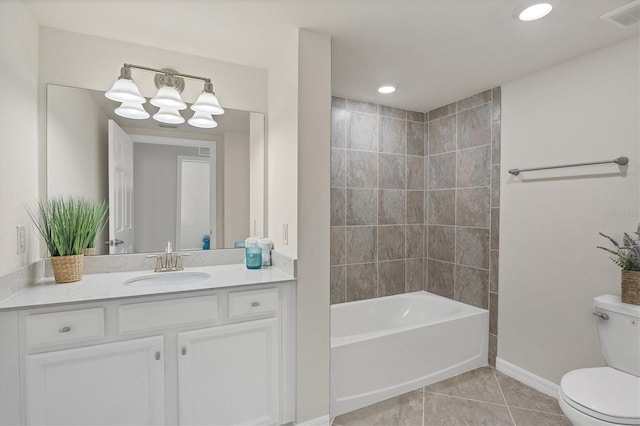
{"x": 467, "y": 399}
{"x": 502, "y": 393}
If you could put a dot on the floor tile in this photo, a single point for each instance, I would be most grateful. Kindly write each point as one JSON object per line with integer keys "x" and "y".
{"x": 537, "y": 418}
{"x": 440, "y": 410}
{"x": 479, "y": 384}
{"x": 403, "y": 410}
{"x": 519, "y": 395}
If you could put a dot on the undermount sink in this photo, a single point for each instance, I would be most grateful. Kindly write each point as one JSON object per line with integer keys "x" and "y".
{"x": 168, "y": 278}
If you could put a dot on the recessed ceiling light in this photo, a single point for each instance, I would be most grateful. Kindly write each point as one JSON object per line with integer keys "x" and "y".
{"x": 386, "y": 89}
{"x": 535, "y": 11}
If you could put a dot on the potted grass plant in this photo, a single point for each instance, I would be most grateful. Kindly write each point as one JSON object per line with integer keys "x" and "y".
{"x": 627, "y": 256}
{"x": 68, "y": 225}
{"x": 97, "y": 217}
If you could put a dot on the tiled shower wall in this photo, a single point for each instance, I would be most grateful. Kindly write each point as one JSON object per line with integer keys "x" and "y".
{"x": 415, "y": 201}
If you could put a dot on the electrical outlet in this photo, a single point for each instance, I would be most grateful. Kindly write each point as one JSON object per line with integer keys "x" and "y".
{"x": 285, "y": 234}
{"x": 20, "y": 239}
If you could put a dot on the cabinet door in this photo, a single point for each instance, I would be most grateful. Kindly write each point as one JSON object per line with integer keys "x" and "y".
{"x": 230, "y": 375}
{"x": 118, "y": 383}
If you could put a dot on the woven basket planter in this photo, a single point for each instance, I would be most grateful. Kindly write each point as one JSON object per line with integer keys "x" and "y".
{"x": 631, "y": 287}
{"x": 67, "y": 269}
{"x": 91, "y": 251}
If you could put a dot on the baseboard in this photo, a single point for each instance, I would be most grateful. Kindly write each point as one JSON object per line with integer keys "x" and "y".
{"x": 319, "y": 421}
{"x": 528, "y": 378}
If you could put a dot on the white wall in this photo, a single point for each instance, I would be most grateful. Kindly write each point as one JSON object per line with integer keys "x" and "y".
{"x": 18, "y": 130}
{"x": 236, "y": 188}
{"x": 257, "y": 174}
{"x": 586, "y": 109}
{"x": 282, "y": 148}
{"x": 314, "y": 140}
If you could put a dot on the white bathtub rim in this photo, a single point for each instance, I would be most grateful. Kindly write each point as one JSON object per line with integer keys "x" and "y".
{"x": 467, "y": 311}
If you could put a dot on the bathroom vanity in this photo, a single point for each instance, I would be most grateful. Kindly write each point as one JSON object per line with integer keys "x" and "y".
{"x": 121, "y": 348}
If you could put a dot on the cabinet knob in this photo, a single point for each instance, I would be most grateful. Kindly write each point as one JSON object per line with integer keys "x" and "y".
{"x": 157, "y": 355}
{"x": 184, "y": 350}
{"x": 255, "y": 304}
{"x": 64, "y": 329}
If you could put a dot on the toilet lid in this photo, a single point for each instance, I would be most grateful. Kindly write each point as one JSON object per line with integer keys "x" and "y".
{"x": 604, "y": 393}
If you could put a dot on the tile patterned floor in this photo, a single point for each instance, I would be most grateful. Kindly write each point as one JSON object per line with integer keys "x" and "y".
{"x": 479, "y": 397}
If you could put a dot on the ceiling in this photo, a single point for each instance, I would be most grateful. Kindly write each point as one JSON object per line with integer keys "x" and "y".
{"x": 434, "y": 51}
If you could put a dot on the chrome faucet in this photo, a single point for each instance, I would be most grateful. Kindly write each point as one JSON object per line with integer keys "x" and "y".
{"x": 171, "y": 262}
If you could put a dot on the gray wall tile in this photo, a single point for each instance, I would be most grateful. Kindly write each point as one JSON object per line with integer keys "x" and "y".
{"x": 338, "y": 278}
{"x": 415, "y": 207}
{"x": 496, "y": 106}
{"x": 415, "y": 138}
{"x": 442, "y": 171}
{"x": 338, "y": 168}
{"x": 441, "y": 207}
{"x": 415, "y": 172}
{"x": 495, "y": 142}
{"x": 391, "y": 277}
{"x": 362, "y": 131}
{"x": 473, "y": 167}
{"x": 362, "y": 169}
{"x": 493, "y": 349}
{"x": 472, "y": 286}
{"x": 472, "y": 207}
{"x": 339, "y": 119}
{"x": 495, "y": 229}
{"x": 362, "y": 107}
{"x": 495, "y": 185}
{"x": 338, "y": 207}
{"x": 392, "y": 171}
{"x": 391, "y": 242}
{"x": 474, "y": 127}
{"x": 362, "y": 281}
{"x": 494, "y": 263}
{"x": 472, "y": 247}
{"x": 414, "y": 275}
{"x": 388, "y": 111}
{"x": 338, "y": 245}
{"x": 493, "y": 313}
{"x": 362, "y": 206}
{"x": 443, "y": 111}
{"x": 337, "y": 102}
{"x": 441, "y": 243}
{"x": 441, "y": 135}
{"x": 391, "y": 206}
{"x": 475, "y": 100}
{"x": 361, "y": 244}
{"x": 393, "y": 136}
{"x": 414, "y": 241}
{"x": 415, "y": 116}
{"x": 440, "y": 278}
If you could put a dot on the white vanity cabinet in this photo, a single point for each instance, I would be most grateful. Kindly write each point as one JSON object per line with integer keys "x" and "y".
{"x": 216, "y": 357}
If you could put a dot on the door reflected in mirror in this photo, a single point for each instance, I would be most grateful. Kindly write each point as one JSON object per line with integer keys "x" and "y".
{"x": 198, "y": 188}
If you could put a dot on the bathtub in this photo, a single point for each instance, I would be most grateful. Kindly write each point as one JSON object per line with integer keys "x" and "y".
{"x": 387, "y": 346}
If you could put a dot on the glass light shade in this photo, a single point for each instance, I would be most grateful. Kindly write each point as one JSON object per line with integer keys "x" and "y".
{"x": 168, "y": 97}
{"x": 203, "y": 120}
{"x": 208, "y": 103}
{"x": 132, "y": 110}
{"x": 125, "y": 90}
{"x": 169, "y": 116}
{"x": 535, "y": 11}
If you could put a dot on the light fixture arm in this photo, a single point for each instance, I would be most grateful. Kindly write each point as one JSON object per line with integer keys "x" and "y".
{"x": 171, "y": 73}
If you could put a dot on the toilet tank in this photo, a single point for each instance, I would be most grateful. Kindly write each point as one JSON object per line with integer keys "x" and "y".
{"x": 620, "y": 334}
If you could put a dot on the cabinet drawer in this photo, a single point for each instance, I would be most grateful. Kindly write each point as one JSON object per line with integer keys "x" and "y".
{"x": 64, "y": 327}
{"x": 150, "y": 316}
{"x": 251, "y": 303}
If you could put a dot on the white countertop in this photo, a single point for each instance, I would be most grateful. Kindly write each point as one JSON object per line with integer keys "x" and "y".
{"x": 95, "y": 287}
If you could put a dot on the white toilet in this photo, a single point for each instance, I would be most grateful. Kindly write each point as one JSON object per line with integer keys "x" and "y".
{"x": 608, "y": 395}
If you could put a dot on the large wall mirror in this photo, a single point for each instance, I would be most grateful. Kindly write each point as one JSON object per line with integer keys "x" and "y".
{"x": 185, "y": 183}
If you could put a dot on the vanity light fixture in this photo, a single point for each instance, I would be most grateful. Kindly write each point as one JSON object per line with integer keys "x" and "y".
{"x": 532, "y": 10}
{"x": 168, "y": 100}
{"x": 385, "y": 90}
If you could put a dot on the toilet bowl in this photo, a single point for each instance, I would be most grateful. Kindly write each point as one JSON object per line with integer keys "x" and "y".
{"x": 608, "y": 395}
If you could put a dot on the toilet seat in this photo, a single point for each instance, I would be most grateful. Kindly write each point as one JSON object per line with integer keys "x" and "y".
{"x": 604, "y": 393}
